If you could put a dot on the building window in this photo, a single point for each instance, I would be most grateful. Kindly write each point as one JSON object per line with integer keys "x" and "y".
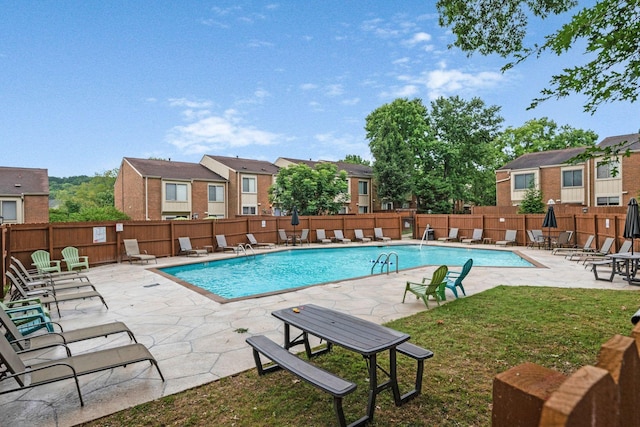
{"x": 363, "y": 209}
{"x": 363, "y": 188}
{"x": 216, "y": 193}
{"x": 248, "y": 185}
{"x": 387, "y": 206}
{"x": 176, "y": 192}
{"x": 605, "y": 170}
{"x": 9, "y": 210}
{"x": 249, "y": 210}
{"x": 523, "y": 181}
{"x": 608, "y": 201}
{"x": 572, "y": 178}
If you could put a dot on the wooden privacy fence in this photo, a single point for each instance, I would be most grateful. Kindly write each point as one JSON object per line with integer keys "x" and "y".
{"x": 102, "y": 243}
{"x": 607, "y": 394}
{"x": 602, "y": 225}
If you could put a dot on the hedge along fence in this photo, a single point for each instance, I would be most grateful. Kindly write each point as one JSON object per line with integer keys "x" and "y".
{"x": 601, "y": 225}
{"x": 602, "y": 395}
{"x": 161, "y": 237}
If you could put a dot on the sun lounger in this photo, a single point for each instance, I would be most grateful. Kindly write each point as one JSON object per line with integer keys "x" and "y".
{"x": 476, "y": 237}
{"x": 221, "y": 240}
{"x": 338, "y": 236}
{"x": 133, "y": 252}
{"x": 322, "y": 237}
{"x": 452, "y": 237}
{"x": 187, "y": 249}
{"x": 377, "y": 232}
{"x": 360, "y": 236}
{"x": 33, "y": 375}
{"x": 509, "y": 238}
{"x": 254, "y": 243}
{"x": 568, "y": 251}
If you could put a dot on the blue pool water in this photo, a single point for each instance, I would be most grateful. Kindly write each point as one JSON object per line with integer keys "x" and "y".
{"x": 276, "y": 271}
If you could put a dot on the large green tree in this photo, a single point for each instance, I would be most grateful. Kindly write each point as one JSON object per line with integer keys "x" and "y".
{"x": 320, "y": 191}
{"x": 542, "y": 135}
{"x": 607, "y": 31}
{"x": 457, "y": 161}
{"x": 394, "y": 131}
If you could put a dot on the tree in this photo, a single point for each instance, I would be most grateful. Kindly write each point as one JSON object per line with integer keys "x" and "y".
{"x": 532, "y": 202}
{"x": 542, "y": 135}
{"x": 354, "y": 159}
{"x": 394, "y": 132}
{"x": 318, "y": 191}
{"x": 457, "y": 161}
{"x": 608, "y": 30}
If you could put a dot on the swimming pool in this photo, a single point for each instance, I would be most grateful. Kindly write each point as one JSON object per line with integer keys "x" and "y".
{"x": 270, "y": 272}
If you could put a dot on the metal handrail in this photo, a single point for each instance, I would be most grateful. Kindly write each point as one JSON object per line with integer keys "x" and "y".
{"x": 387, "y": 262}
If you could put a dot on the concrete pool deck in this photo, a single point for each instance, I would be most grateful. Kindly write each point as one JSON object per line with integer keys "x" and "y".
{"x": 197, "y": 340}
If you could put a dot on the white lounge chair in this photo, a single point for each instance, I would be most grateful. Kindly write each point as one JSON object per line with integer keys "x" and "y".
{"x": 509, "y": 238}
{"x": 133, "y": 252}
{"x": 377, "y": 232}
{"x": 187, "y": 249}
{"x": 222, "y": 244}
{"x": 360, "y": 236}
{"x": 452, "y": 237}
{"x": 322, "y": 237}
{"x": 338, "y": 236}
{"x": 254, "y": 243}
{"x": 476, "y": 237}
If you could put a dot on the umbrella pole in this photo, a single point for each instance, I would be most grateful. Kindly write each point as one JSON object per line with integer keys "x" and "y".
{"x": 294, "y": 235}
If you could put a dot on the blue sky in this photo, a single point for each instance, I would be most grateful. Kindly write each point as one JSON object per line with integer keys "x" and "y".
{"x": 86, "y": 83}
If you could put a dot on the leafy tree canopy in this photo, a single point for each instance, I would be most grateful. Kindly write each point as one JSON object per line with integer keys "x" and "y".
{"x": 542, "y": 135}
{"x": 319, "y": 191}
{"x": 356, "y": 160}
{"x": 532, "y": 203}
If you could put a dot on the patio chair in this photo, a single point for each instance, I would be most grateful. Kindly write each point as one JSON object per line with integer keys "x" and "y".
{"x": 452, "y": 237}
{"x": 28, "y": 314}
{"x": 133, "y": 252}
{"x": 566, "y": 251}
{"x": 187, "y": 249}
{"x": 33, "y": 275}
{"x": 587, "y": 260}
{"x": 378, "y": 235}
{"x": 304, "y": 236}
{"x": 254, "y": 243}
{"x": 283, "y": 237}
{"x": 46, "y": 296}
{"x": 509, "y": 238}
{"x": 424, "y": 290}
{"x": 321, "y": 236}
{"x": 454, "y": 278}
{"x": 476, "y": 237}
{"x": 43, "y": 262}
{"x": 604, "y": 250}
{"x": 360, "y": 236}
{"x": 535, "y": 240}
{"x": 24, "y": 342}
{"x": 40, "y": 286}
{"x": 338, "y": 236}
{"x": 221, "y": 240}
{"x": 563, "y": 241}
{"x": 73, "y": 260}
{"x": 33, "y": 375}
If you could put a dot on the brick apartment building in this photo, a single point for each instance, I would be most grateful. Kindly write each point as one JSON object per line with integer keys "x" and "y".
{"x": 24, "y": 195}
{"x": 586, "y": 184}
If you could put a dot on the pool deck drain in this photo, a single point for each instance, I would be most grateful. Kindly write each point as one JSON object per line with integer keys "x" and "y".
{"x": 195, "y": 338}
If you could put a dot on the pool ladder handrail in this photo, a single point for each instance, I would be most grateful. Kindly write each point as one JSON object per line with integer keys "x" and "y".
{"x": 387, "y": 259}
{"x": 243, "y": 248}
{"x": 425, "y": 236}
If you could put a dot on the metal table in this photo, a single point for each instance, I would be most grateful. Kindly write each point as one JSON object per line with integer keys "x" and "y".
{"x": 630, "y": 266}
{"x": 355, "y": 334}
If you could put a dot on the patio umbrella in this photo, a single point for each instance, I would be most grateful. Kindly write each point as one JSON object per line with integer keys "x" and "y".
{"x": 549, "y": 222}
{"x": 632, "y": 222}
{"x": 294, "y": 221}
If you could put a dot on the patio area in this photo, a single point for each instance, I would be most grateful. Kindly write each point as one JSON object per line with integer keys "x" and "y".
{"x": 197, "y": 340}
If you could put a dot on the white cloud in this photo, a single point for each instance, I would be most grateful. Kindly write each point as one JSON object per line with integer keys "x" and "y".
{"x": 417, "y": 38}
{"x": 209, "y": 132}
{"x": 352, "y": 101}
{"x": 308, "y": 86}
{"x": 184, "y": 102}
{"x": 334, "y": 90}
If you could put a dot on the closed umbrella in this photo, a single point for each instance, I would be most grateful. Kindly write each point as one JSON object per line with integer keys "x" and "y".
{"x": 632, "y": 222}
{"x": 549, "y": 222}
{"x": 294, "y": 221}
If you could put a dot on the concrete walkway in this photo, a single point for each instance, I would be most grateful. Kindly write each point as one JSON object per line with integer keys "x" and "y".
{"x": 197, "y": 340}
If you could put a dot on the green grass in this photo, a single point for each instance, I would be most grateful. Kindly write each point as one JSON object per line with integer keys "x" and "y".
{"x": 473, "y": 339}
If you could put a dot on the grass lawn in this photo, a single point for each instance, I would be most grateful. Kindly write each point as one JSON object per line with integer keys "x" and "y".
{"x": 473, "y": 339}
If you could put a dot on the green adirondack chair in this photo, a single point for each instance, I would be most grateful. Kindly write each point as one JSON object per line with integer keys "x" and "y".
{"x": 454, "y": 278}
{"x": 43, "y": 263}
{"x": 434, "y": 288}
{"x": 72, "y": 258}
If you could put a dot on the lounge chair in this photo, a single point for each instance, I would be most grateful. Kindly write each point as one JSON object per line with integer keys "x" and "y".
{"x": 454, "y": 278}
{"x": 452, "y": 237}
{"x": 567, "y": 251}
{"x": 133, "y": 252}
{"x": 338, "y": 236}
{"x": 321, "y": 236}
{"x": 377, "y": 234}
{"x": 563, "y": 241}
{"x": 38, "y": 287}
{"x": 187, "y": 249}
{"x": 283, "y": 237}
{"x": 534, "y": 240}
{"x": 476, "y": 237}
{"x": 33, "y": 274}
{"x": 599, "y": 258}
{"x": 583, "y": 256}
{"x": 28, "y": 376}
{"x": 73, "y": 260}
{"x": 43, "y": 262}
{"x": 509, "y": 238}
{"x": 424, "y": 290}
{"x": 221, "y": 240}
{"x": 47, "y": 297}
{"x": 254, "y": 243}
{"x": 304, "y": 236}
{"x": 360, "y": 236}
{"x": 24, "y": 342}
